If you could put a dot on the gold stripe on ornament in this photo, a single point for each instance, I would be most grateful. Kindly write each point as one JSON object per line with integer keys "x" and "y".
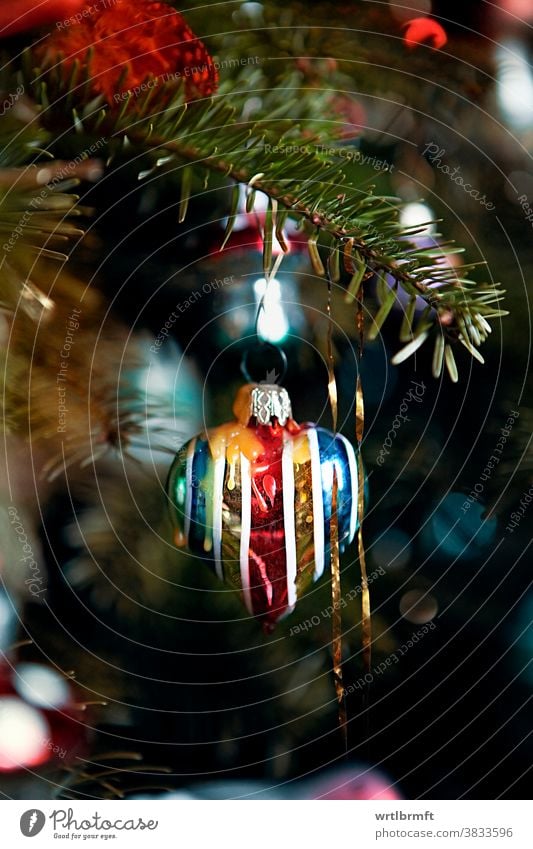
{"x": 231, "y": 524}
{"x": 337, "y": 618}
{"x": 304, "y": 514}
{"x": 207, "y": 486}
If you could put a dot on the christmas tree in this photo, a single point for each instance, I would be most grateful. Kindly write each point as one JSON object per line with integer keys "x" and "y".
{"x": 258, "y": 188}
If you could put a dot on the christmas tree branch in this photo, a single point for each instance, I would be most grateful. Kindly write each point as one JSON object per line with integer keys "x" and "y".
{"x": 308, "y": 183}
{"x": 301, "y": 172}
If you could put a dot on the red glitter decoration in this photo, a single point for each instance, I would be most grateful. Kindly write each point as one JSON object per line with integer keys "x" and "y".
{"x": 131, "y": 46}
{"x": 421, "y": 30}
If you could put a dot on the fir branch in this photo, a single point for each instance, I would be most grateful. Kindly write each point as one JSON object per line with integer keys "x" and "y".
{"x": 303, "y": 177}
{"x": 36, "y": 208}
{"x": 310, "y": 184}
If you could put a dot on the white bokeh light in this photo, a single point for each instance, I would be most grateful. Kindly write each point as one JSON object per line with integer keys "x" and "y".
{"x": 273, "y": 324}
{"x": 24, "y": 734}
{"x": 41, "y": 686}
{"x": 417, "y": 214}
{"x": 515, "y": 84}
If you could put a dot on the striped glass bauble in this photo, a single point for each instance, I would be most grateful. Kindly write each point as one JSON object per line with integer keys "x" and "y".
{"x": 254, "y": 497}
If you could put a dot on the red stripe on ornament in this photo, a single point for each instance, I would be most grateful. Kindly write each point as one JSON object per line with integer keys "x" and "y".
{"x": 267, "y": 555}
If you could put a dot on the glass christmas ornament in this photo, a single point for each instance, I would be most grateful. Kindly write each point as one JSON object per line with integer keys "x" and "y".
{"x": 127, "y": 48}
{"x": 262, "y": 498}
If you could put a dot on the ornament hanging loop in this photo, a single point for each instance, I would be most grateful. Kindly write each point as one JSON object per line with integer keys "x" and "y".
{"x": 274, "y": 369}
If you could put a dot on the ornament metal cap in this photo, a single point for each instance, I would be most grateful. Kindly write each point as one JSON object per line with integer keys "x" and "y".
{"x": 263, "y": 402}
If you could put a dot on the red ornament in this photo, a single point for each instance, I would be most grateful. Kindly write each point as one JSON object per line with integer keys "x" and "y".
{"x": 421, "y": 30}
{"x": 39, "y": 722}
{"x": 131, "y": 46}
{"x": 21, "y": 15}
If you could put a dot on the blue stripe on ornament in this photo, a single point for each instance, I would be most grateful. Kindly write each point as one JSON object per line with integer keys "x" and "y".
{"x": 347, "y": 495}
{"x": 177, "y": 490}
{"x": 335, "y": 454}
{"x": 200, "y": 492}
{"x": 326, "y": 447}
